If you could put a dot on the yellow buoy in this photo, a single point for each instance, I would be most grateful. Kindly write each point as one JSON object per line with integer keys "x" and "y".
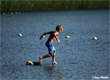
{"x": 67, "y": 37}
{"x": 29, "y": 63}
{"x": 3, "y": 13}
{"x": 19, "y": 34}
{"x": 16, "y": 13}
{"x": 19, "y": 12}
{"x": 94, "y": 38}
{"x": 11, "y": 12}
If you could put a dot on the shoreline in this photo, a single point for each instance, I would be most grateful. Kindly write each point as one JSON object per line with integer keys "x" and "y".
{"x": 37, "y": 9}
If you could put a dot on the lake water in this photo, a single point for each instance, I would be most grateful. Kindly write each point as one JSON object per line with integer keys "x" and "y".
{"x": 78, "y": 57}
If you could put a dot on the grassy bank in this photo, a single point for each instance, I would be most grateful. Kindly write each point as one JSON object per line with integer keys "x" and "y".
{"x": 18, "y": 5}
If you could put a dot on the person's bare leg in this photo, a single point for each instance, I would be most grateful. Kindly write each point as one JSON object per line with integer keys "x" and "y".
{"x": 53, "y": 58}
{"x": 45, "y": 56}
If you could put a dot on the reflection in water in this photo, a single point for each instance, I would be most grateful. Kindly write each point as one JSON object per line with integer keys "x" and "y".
{"x": 51, "y": 72}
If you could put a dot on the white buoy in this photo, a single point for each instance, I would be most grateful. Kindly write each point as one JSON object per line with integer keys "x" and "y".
{"x": 94, "y": 38}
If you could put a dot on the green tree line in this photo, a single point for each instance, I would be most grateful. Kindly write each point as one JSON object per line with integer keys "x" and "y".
{"x": 19, "y": 5}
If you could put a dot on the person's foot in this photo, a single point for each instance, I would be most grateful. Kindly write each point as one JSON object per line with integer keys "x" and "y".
{"x": 54, "y": 63}
{"x": 40, "y": 58}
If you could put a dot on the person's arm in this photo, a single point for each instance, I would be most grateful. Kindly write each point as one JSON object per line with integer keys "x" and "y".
{"x": 57, "y": 38}
{"x": 45, "y": 34}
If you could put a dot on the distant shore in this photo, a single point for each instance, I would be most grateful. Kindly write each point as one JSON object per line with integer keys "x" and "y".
{"x": 7, "y": 6}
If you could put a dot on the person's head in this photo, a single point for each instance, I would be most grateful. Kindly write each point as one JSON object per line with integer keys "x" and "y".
{"x": 59, "y": 28}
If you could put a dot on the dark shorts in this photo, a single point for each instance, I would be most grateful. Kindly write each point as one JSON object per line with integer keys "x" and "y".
{"x": 50, "y": 47}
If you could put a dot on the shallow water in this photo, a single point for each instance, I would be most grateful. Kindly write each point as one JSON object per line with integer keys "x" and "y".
{"x": 78, "y": 58}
